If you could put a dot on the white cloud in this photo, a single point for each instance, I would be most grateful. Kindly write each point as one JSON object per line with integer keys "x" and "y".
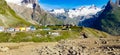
{"x": 14, "y": 1}
{"x": 18, "y": 2}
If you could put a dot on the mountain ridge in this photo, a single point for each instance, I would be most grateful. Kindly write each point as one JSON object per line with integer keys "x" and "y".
{"x": 109, "y": 20}
{"x": 75, "y": 15}
{"x": 32, "y": 12}
{"x": 9, "y": 18}
{"x": 77, "y": 11}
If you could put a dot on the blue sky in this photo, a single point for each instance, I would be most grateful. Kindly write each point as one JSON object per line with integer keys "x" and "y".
{"x": 56, "y": 4}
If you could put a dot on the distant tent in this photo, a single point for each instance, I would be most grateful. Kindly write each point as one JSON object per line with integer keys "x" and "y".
{"x": 1, "y": 29}
{"x": 32, "y": 28}
{"x": 11, "y": 29}
{"x": 22, "y": 29}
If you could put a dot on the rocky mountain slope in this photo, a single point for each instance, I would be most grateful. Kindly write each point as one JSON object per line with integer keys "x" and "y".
{"x": 109, "y": 20}
{"x": 76, "y": 15}
{"x": 8, "y": 17}
{"x": 31, "y": 11}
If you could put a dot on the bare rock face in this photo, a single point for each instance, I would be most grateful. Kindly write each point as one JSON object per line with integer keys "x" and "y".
{"x": 29, "y": 1}
{"x": 8, "y": 17}
{"x": 31, "y": 11}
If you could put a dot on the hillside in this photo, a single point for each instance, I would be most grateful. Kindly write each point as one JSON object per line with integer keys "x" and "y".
{"x": 52, "y": 35}
{"x": 109, "y": 20}
{"x": 8, "y": 17}
{"x": 31, "y": 11}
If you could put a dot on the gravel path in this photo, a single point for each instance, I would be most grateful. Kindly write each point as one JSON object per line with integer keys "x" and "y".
{"x": 89, "y": 46}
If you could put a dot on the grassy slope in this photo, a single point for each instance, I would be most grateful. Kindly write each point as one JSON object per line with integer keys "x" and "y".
{"x": 45, "y": 18}
{"x": 9, "y": 17}
{"x": 48, "y": 19}
{"x": 43, "y": 36}
{"x": 111, "y": 23}
{"x": 109, "y": 19}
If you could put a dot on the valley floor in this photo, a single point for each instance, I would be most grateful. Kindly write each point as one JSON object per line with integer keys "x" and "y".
{"x": 88, "y": 46}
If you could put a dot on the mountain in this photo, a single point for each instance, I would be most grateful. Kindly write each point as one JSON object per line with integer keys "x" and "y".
{"x": 31, "y": 11}
{"x": 75, "y": 15}
{"x": 8, "y": 18}
{"x": 109, "y": 19}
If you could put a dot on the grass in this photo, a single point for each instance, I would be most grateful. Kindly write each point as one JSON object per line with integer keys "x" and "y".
{"x": 43, "y": 36}
{"x": 31, "y": 36}
{"x": 110, "y": 21}
{"x": 11, "y": 19}
{"x": 94, "y": 33}
{"x": 4, "y": 37}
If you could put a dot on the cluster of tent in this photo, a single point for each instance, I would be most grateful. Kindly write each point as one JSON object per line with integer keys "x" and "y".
{"x": 17, "y": 29}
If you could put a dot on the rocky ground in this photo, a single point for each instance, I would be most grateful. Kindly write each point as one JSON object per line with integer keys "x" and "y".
{"x": 88, "y": 46}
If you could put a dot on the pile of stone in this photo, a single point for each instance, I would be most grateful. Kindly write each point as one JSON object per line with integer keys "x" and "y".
{"x": 3, "y": 49}
{"x": 70, "y": 47}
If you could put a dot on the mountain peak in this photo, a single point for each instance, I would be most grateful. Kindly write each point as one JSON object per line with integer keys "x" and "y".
{"x": 109, "y": 20}
{"x": 57, "y": 11}
{"x": 93, "y": 7}
{"x": 9, "y": 18}
{"x": 29, "y": 1}
{"x": 117, "y": 3}
{"x": 75, "y": 12}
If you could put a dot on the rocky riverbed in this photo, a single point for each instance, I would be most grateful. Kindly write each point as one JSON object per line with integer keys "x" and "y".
{"x": 88, "y": 46}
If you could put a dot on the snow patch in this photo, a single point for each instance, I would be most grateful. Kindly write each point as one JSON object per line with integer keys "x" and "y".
{"x": 83, "y": 11}
{"x": 58, "y": 11}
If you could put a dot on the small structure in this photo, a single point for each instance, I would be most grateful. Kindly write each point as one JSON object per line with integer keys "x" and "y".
{"x": 10, "y": 29}
{"x": 54, "y": 33}
{"x": 22, "y": 29}
{"x": 28, "y": 28}
{"x": 47, "y": 29}
{"x": 32, "y": 28}
{"x": 17, "y": 29}
{"x": 1, "y": 29}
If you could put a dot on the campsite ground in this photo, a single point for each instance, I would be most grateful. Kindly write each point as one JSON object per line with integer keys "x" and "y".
{"x": 73, "y": 41}
{"x": 88, "y": 46}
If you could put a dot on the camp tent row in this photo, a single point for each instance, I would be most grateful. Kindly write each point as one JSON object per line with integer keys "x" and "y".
{"x": 17, "y": 29}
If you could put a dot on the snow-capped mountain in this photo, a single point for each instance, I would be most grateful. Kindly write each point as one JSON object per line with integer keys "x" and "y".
{"x": 57, "y": 11}
{"x": 82, "y": 11}
{"x": 76, "y": 15}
